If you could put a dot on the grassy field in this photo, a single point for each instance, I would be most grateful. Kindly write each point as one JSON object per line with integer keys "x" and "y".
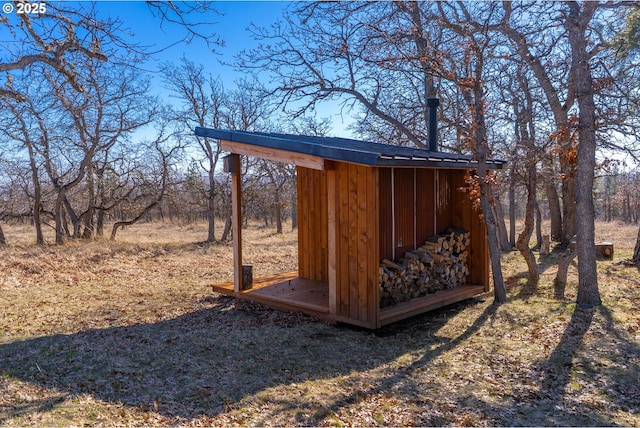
{"x": 129, "y": 333}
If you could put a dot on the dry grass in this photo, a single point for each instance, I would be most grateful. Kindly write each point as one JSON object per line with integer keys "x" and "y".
{"x": 128, "y": 333}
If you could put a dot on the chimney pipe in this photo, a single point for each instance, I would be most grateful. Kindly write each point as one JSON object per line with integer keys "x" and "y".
{"x": 433, "y": 104}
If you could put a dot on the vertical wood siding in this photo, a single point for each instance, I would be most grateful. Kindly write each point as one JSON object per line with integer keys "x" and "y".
{"x": 357, "y": 246}
{"x": 439, "y": 203}
{"x": 364, "y": 210}
{"x": 467, "y": 217}
{"x": 312, "y": 224}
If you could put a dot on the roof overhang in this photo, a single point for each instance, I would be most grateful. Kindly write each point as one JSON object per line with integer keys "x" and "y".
{"x": 319, "y": 152}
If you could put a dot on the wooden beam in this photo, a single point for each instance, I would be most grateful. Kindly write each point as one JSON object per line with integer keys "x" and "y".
{"x": 277, "y": 155}
{"x": 236, "y": 222}
{"x": 332, "y": 240}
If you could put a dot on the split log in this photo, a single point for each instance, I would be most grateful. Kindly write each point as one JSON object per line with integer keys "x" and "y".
{"x": 604, "y": 250}
{"x": 441, "y": 262}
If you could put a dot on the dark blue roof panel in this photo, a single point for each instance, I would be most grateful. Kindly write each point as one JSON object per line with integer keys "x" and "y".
{"x": 347, "y": 150}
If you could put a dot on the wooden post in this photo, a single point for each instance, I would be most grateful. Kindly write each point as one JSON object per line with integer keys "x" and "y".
{"x": 332, "y": 241}
{"x": 236, "y": 218}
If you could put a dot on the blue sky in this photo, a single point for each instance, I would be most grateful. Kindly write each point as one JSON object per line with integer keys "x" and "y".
{"x": 230, "y": 25}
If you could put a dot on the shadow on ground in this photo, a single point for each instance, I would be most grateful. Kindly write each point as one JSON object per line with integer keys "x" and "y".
{"x": 201, "y": 362}
{"x": 205, "y": 361}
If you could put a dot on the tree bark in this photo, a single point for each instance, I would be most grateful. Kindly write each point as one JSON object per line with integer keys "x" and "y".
{"x": 59, "y": 221}
{"x": 278, "y": 210}
{"x": 512, "y": 206}
{"x": 555, "y": 212}
{"x": 560, "y": 281}
{"x": 211, "y": 195}
{"x": 503, "y": 238}
{"x": 294, "y": 209}
{"x": 636, "y": 251}
{"x": 538, "y": 224}
{"x": 529, "y": 219}
{"x": 482, "y": 150}
{"x": 576, "y": 23}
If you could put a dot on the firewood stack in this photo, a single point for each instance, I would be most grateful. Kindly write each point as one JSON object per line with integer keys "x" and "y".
{"x": 438, "y": 264}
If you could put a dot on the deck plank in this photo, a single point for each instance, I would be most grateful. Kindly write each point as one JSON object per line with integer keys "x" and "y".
{"x": 428, "y": 303}
{"x": 285, "y": 288}
{"x": 286, "y": 291}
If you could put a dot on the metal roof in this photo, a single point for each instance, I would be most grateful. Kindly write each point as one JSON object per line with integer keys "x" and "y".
{"x": 347, "y": 150}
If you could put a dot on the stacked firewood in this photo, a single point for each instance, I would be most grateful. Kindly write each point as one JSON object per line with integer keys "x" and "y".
{"x": 441, "y": 262}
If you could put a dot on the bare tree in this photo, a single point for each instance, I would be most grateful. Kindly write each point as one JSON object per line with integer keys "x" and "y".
{"x": 525, "y": 134}
{"x": 471, "y": 78}
{"x": 577, "y": 22}
{"x": 636, "y": 252}
{"x": 202, "y": 100}
{"x": 150, "y": 187}
{"x": 50, "y": 40}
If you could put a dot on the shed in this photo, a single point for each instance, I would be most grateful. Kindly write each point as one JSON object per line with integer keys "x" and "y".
{"x": 359, "y": 203}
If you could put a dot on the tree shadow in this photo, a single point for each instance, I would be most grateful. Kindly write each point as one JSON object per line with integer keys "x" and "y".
{"x": 556, "y": 371}
{"x": 200, "y": 363}
{"x": 553, "y": 402}
{"x": 402, "y": 380}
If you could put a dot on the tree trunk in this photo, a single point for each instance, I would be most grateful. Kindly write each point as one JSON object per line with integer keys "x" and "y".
{"x": 211, "y": 215}
{"x": 538, "y": 225}
{"x": 75, "y": 220}
{"x": 560, "y": 281}
{"x": 3, "y": 240}
{"x": 482, "y": 150}
{"x": 59, "y": 220}
{"x": 294, "y": 209}
{"x": 529, "y": 219}
{"x": 100, "y": 223}
{"x": 576, "y": 23}
{"x": 636, "y": 251}
{"x": 88, "y": 224}
{"x": 555, "y": 212}
{"x": 512, "y": 207}
{"x": 505, "y": 245}
{"x": 226, "y": 234}
{"x": 278, "y": 211}
{"x": 568, "y": 208}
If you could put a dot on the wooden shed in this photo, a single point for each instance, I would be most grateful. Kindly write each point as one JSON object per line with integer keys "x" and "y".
{"x": 359, "y": 203}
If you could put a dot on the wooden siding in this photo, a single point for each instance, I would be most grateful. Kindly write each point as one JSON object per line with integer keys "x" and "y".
{"x": 356, "y": 242}
{"x": 409, "y": 209}
{"x": 444, "y": 193}
{"x": 425, "y": 226}
{"x": 312, "y": 224}
{"x": 439, "y": 203}
{"x": 467, "y": 217}
{"x": 354, "y": 208}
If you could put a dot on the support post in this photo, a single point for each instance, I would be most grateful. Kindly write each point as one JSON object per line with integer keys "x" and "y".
{"x": 332, "y": 242}
{"x": 236, "y": 219}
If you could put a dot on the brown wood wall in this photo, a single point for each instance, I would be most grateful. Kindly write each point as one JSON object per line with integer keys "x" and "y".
{"x": 413, "y": 205}
{"x": 426, "y": 201}
{"x": 357, "y": 261}
{"x": 467, "y": 217}
{"x": 312, "y": 224}
{"x": 356, "y": 258}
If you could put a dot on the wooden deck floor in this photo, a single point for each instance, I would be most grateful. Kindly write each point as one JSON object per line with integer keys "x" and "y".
{"x": 286, "y": 291}
{"x": 429, "y": 302}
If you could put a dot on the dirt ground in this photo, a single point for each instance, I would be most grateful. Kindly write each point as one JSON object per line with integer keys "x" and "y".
{"x": 129, "y": 333}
